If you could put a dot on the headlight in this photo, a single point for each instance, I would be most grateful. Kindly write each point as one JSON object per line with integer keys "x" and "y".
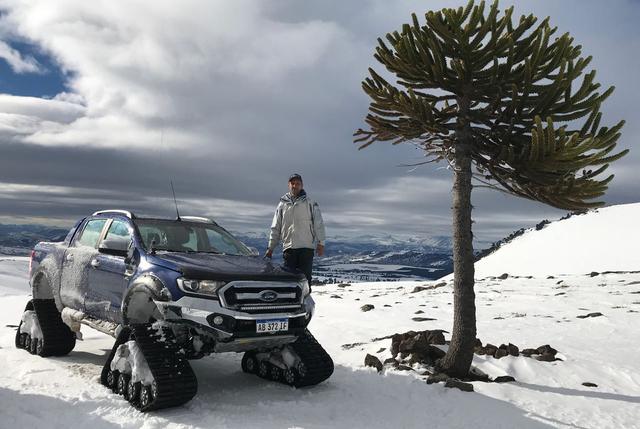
{"x": 203, "y": 287}
{"x": 305, "y": 288}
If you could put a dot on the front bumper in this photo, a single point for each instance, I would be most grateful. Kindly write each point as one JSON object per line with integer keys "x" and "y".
{"x": 236, "y": 326}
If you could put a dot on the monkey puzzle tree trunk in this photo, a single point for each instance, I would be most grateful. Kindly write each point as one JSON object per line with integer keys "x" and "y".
{"x": 458, "y": 359}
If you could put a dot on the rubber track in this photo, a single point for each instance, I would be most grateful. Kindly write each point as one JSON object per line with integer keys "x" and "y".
{"x": 176, "y": 383}
{"x": 58, "y": 339}
{"x": 317, "y": 361}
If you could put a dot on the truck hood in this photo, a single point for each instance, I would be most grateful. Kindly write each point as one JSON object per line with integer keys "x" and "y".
{"x": 207, "y": 266}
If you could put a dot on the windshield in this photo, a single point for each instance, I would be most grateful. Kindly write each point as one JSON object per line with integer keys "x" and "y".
{"x": 180, "y": 236}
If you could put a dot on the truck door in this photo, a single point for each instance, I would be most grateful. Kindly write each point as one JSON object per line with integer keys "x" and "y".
{"x": 76, "y": 263}
{"x": 107, "y": 276}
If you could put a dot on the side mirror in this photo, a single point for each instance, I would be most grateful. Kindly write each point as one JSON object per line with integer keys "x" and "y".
{"x": 116, "y": 246}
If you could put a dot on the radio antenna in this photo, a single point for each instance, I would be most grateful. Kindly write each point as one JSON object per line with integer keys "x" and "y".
{"x": 170, "y": 178}
{"x": 174, "y": 199}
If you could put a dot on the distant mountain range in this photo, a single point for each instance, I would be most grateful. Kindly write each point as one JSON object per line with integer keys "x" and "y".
{"x": 364, "y": 258}
{"x": 20, "y": 239}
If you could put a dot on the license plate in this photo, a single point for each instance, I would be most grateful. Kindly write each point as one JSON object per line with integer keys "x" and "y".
{"x": 272, "y": 325}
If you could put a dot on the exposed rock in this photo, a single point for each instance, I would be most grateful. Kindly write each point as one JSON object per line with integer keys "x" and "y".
{"x": 584, "y": 316}
{"x": 504, "y": 379}
{"x": 417, "y": 342}
{"x": 404, "y": 368}
{"x": 593, "y": 273}
{"x": 546, "y": 349}
{"x": 430, "y": 287}
{"x": 391, "y": 361}
{"x": 546, "y": 357}
{"x": 386, "y": 305}
{"x": 344, "y": 284}
{"x": 351, "y": 345}
{"x": 422, "y": 319}
{"x": 513, "y": 350}
{"x": 589, "y": 384}
{"x": 503, "y": 276}
{"x": 457, "y": 384}
{"x": 437, "y": 378}
{"x": 490, "y": 349}
{"x": 529, "y": 352}
{"x": 500, "y": 353}
{"x": 367, "y": 307}
{"x": 550, "y": 277}
{"x": 381, "y": 349}
{"x": 374, "y": 296}
{"x": 336, "y": 296}
{"x": 372, "y": 361}
{"x": 419, "y": 312}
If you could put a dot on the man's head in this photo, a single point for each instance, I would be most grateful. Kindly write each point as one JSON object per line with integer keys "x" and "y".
{"x": 295, "y": 184}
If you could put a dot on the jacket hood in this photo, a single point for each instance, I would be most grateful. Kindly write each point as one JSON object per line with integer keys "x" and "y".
{"x": 288, "y": 198}
{"x": 207, "y": 266}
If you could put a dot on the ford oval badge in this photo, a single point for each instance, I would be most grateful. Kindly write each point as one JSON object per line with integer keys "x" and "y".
{"x": 268, "y": 296}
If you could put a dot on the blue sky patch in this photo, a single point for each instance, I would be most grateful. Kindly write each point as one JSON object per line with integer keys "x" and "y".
{"x": 46, "y": 84}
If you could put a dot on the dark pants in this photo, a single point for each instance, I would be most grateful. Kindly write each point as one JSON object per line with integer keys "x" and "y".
{"x": 299, "y": 259}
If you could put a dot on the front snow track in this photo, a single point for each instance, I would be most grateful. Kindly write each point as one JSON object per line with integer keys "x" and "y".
{"x": 42, "y": 331}
{"x": 171, "y": 382}
{"x": 302, "y": 363}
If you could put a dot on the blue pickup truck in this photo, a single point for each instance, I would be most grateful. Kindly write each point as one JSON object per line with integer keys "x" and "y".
{"x": 169, "y": 290}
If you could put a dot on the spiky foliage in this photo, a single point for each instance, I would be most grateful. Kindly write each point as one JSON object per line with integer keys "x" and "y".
{"x": 535, "y": 130}
{"x": 502, "y": 103}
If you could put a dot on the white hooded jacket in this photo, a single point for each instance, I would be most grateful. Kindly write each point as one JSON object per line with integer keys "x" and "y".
{"x": 297, "y": 223}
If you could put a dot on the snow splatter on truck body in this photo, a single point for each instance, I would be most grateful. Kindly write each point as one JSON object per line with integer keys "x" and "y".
{"x": 202, "y": 290}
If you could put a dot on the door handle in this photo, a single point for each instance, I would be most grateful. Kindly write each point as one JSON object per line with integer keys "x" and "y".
{"x": 95, "y": 263}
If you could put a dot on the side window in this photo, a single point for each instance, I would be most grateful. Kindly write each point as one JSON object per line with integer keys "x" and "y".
{"x": 91, "y": 233}
{"x": 118, "y": 230}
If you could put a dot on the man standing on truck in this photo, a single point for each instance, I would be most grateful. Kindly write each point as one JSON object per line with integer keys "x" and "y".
{"x": 298, "y": 224}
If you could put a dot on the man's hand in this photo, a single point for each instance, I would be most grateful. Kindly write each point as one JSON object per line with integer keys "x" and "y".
{"x": 268, "y": 253}
{"x": 320, "y": 250}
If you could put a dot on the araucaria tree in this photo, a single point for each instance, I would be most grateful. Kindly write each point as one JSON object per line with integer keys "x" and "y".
{"x": 506, "y": 104}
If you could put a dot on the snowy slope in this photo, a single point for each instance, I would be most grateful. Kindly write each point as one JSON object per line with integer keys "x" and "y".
{"x": 529, "y": 312}
{"x": 603, "y": 240}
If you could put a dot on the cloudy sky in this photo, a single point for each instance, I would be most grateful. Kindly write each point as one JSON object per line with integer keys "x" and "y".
{"x": 103, "y": 102}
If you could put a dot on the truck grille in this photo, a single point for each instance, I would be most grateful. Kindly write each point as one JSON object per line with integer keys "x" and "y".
{"x": 261, "y": 297}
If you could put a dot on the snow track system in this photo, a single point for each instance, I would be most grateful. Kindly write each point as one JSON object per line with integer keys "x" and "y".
{"x": 148, "y": 369}
{"x": 42, "y": 332}
{"x": 302, "y": 363}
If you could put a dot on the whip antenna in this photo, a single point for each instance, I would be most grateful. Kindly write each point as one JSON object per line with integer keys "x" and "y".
{"x": 174, "y": 199}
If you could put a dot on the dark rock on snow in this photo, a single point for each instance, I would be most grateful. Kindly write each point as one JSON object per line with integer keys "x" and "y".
{"x": 454, "y": 383}
{"x": 504, "y": 379}
{"x": 367, "y": 307}
{"x": 372, "y": 361}
{"x": 589, "y": 384}
{"x": 584, "y": 316}
{"x": 437, "y": 378}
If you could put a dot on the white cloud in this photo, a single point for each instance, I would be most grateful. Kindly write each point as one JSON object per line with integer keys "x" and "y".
{"x": 18, "y": 63}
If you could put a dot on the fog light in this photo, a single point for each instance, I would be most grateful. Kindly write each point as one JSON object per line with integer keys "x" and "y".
{"x": 217, "y": 320}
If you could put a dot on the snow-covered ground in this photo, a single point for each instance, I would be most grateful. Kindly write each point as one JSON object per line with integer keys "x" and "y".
{"x": 529, "y": 312}
{"x": 603, "y": 240}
